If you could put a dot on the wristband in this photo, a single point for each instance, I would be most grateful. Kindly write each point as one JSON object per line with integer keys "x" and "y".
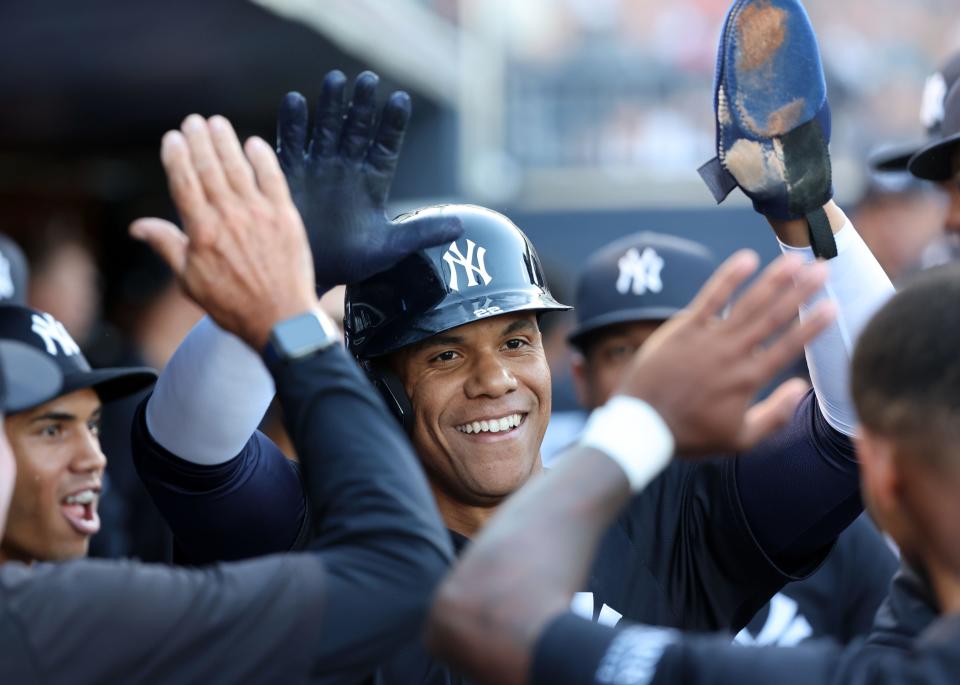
{"x": 633, "y": 434}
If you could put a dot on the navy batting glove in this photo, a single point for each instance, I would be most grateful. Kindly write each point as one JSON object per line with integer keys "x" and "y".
{"x": 341, "y": 176}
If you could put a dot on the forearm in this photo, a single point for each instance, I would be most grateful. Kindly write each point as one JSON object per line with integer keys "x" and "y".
{"x": 799, "y": 489}
{"x": 251, "y": 505}
{"x": 210, "y": 398}
{"x": 373, "y": 510}
{"x": 858, "y": 286}
{"x": 573, "y": 651}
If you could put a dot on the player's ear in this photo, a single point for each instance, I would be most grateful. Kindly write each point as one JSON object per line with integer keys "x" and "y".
{"x": 879, "y": 474}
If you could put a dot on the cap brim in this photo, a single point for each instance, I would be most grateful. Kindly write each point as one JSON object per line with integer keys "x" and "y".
{"x": 30, "y": 377}
{"x": 935, "y": 161}
{"x": 111, "y": 384}
{"x": 894, "y": 157}
{"x": 639, "y": 314}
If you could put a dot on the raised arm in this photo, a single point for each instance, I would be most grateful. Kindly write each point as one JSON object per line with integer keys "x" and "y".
{"x": 694, "y": 379}
{"x": 329, "y": 615}
{"x": 226, "y": 491}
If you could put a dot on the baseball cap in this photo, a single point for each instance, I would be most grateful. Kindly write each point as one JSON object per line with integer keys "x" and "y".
{"x": 932, "y": 112}
{"x": 643, "y": 277}
{"x": 27, "y": 377}
{"x": 42, "y": 333}
{"x": 934, "y": 162}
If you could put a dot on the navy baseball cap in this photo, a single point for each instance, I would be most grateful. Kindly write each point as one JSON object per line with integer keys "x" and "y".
{"x": 934, "y": 162}
{"x": 932, "y": 113}
{"x": 642, "y": 277}
{"x": 27, "y": 377}
{"x": 45, "y": 335}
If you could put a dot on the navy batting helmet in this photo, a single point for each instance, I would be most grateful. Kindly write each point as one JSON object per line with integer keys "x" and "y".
{"x": 642, "y": 277}
{"x": 492, "y": 269}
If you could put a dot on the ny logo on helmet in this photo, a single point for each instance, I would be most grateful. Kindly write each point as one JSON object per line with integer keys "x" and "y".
{"x": 52, "y": 333}
{"x": 640, "y": 272}
{"x": 453, "y": 257}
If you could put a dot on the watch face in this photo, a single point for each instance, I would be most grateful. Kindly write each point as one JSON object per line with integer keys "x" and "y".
{"x": 301, "y": 335}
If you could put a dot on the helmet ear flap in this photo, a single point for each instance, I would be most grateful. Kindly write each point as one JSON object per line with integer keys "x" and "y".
{"x": 391, "y": 389}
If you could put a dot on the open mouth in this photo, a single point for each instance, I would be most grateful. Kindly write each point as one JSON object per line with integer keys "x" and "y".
{"x": 80, "y": 510}
{"x": 503, "y": 424}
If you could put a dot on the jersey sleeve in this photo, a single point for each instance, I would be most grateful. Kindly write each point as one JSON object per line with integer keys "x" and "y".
{"x": 574, "y": 651}
{"x": 116, "y": 622}
{"x": 800, "y": 488}
{"x": 251, "y": 505}
{"x": 690, "y": 532}
{"x": 700, "y": 540}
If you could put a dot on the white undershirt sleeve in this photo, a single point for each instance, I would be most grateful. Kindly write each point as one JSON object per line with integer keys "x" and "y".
{"x": 859, "y": 287}
{"x": 210, "y": 397}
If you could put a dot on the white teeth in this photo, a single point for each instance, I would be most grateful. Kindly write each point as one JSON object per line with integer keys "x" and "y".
{"x": 493, "y": 425}
{"x": 83, "y": 497}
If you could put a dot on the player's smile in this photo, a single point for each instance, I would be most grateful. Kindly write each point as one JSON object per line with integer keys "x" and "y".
{"x": 494, "y": 428}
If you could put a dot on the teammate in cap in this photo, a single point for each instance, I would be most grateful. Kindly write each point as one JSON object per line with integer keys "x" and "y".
{"x": 378, "y": 548}
{"x": 53, "y": 513}
{"x": 449, "y": 334}
{"x": 625, "y": 292}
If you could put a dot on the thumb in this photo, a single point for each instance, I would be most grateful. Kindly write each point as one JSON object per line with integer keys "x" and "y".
{"x": 423, "y": 233}
{"x": 292, "y": 132}
{"x": 166, "y": 240}
{"x": 773, "y": 413}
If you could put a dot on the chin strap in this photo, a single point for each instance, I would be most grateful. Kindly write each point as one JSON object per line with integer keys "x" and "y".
{"x": 391, "y": 389}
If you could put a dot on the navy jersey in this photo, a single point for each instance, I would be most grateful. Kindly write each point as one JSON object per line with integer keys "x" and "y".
{"x": 327, "y": 615}
{"x": 688, "y": 552}
{"x": 839, "y": 601}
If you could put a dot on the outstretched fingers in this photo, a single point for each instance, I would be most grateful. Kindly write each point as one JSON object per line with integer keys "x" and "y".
{"x": 781, "y": 306}
{"x": 292, "y": 120}
{"x": 165, "y": 239}
{"x": 717, "y": 291}
{"x": 185, "y": 187}
{"x": 328, "y": 121}
{"x": 771, "y": 414}
{"x": 236, "y": 168}
{"x": 270, "y": 177}
{"x": 788, "y": 346}
{"x": 358, "y": 129}
{"x": 383, "y": 154}
{"x": 205, "y": 161}
{"x": 419, "y": 234}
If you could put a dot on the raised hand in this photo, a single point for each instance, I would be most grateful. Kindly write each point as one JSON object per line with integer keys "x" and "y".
{"x": 340, "y": 176}
{"x": 701, "y": 371}
{"x": 243, "y": 255}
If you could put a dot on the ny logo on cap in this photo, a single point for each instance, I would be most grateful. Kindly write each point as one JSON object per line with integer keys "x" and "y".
{"x": 640, "y": 272}
{"x": 6, "y": 279}
{"x": 453, "y": 256}
{"x": 53, "y": 333}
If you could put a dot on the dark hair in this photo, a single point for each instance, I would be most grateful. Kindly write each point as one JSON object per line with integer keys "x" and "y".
{"x": 906, "y": 367}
